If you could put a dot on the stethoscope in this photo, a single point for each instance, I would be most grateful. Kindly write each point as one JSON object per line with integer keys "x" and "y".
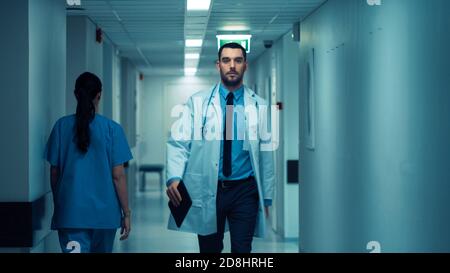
{"x": 206, "y": 110}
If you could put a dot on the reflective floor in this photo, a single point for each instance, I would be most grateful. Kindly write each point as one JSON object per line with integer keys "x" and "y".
{"x": 150, "y": 234}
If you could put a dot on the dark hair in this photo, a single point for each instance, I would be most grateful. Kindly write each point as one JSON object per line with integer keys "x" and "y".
{"x": 233, "y": 45}
{"x": 87, "y": 87}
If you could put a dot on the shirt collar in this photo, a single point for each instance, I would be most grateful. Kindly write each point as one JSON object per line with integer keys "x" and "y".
{"x": 237, "y": 94}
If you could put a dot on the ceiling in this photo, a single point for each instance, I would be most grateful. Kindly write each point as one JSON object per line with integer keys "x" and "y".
{"x": 151, "y": 33}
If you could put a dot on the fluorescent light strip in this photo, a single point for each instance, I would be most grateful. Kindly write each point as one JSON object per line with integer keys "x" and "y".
{"x": 191, "y": 56}
{"x": 191, "y": 63}
{"x": 234, "y": 36}
{"x": 194, "y": 42}
{"x": 198, "y": 4}
{"x": 235, "y": 28}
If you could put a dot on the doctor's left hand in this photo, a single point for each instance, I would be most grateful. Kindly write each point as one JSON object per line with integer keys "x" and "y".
{"x": 173, "y": 193}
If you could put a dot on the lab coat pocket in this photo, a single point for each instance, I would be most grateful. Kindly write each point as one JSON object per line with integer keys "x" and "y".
{"x": 197, "y": 203}
{"x": 195, "y": 215}
{"x": 194, "y": 186}
{"x": 253, "y": 132}
{"x": 246, "y": 145}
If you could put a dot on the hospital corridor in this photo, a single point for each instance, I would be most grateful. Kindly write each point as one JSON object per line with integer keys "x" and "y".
{"x": 233, "y": 126}
{"x": 150, "y": 234}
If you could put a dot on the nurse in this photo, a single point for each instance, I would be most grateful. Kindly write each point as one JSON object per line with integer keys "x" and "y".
{"x": 87, "y": 152}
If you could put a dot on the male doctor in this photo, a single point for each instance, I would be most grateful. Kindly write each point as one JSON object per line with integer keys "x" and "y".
{"x": 229, "y": 177}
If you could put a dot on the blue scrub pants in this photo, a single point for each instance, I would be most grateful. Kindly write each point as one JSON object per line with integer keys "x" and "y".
{"x": 86, "y": 240}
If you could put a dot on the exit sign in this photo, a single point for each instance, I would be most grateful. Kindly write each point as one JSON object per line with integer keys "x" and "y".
{"x": 243, "y": 40}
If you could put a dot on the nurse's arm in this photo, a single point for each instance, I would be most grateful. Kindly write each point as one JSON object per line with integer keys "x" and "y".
{"x": 120, "y": 183}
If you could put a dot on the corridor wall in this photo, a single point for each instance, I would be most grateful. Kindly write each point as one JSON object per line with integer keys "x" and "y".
{"x": 84, "y": 53}
{"x": 275, "y": 76}
{"x": 33, "y": 77}
{"x": 375, "y": 157}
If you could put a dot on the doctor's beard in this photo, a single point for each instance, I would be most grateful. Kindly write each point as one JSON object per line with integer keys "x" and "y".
{"x": 231, "y": 83}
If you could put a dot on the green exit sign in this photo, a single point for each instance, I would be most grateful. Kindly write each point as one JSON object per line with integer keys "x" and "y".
{"x": 243, "y": 40}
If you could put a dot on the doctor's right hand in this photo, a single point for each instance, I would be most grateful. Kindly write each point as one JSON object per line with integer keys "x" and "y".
{"x": 173, "y": 194}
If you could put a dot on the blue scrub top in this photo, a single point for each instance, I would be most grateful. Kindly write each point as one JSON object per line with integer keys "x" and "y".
{"x": 85, "y": 196}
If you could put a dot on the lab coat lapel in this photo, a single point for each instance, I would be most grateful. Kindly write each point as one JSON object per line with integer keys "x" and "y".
{"x": 216, "y": 102}
{"x": 249, "y": 97}
{"x": 251, "y": 128}
{"x": 213, "y": 111}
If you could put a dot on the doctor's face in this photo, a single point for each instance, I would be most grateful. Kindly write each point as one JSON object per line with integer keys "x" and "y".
{"x": 232, "y": 66}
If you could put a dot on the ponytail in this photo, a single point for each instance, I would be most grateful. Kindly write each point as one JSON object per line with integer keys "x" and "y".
{"x": 86, "y": 89}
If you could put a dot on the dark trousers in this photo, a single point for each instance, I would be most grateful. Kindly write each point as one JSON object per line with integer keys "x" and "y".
{"x": 239, "y": 205}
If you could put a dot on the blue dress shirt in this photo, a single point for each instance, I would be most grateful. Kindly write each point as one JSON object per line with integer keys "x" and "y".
{"x": 240, "y": 159}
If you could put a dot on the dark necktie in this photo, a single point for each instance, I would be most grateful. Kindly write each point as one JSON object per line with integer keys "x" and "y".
{"x": 227, "y": 136}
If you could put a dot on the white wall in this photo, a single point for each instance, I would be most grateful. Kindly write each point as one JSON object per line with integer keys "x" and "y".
{"x": 47, "y": 80}
{"x": 32, "y": 72}
{"x": 379, "y": 171}
{"x": 275, "y": 74}
{"x": 154, "y": 115}
{"x": 94, "y": 50}
{"x": 107, "y": 80}
{"x": 128, "y": 93}
{"x": 83, "y": 54}
{"x": 129, "y": 87}
{"x": 290, "y": 128}
{"x": 111, "y": 79}
{"x": 265, "y": 72}
{"x": 116, "y": 99}
{"x": 14, "y": 74}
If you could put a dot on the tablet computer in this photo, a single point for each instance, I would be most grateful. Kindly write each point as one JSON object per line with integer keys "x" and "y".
{"x": 180, "y": 212}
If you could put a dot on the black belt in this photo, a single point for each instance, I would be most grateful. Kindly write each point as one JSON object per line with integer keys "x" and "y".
{"x": 232, "y": 183}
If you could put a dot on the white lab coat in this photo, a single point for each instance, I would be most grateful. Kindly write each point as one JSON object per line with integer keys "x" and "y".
{"x": 197, "y": 161}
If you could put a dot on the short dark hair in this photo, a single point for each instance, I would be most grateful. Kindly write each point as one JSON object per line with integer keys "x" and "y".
{"x": 233, "y": 45}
